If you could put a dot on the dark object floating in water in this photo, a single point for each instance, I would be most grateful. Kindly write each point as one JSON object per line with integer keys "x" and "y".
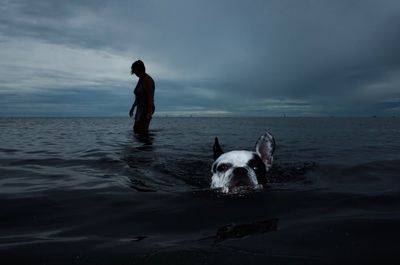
{"x": 241, "y": 230}
{"x": 139, "y": 238}
{"x": 133, "y": 239}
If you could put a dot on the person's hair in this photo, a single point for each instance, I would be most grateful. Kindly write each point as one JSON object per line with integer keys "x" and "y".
{"x": 138, "y": 65}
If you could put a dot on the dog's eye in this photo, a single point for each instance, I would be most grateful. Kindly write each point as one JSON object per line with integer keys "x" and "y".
{"x": 223, "y": 167}
{"x": 255, "y": 168}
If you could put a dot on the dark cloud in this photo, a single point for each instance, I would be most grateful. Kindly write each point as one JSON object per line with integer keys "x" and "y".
{"x": 239, "y": 57}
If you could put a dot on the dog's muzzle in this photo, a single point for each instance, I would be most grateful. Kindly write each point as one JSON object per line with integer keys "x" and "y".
{"x": 240, "y": 177}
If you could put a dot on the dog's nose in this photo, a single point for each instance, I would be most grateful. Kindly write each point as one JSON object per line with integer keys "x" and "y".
{"x": 240, "y": 177}
{"x": 240, "y": 172}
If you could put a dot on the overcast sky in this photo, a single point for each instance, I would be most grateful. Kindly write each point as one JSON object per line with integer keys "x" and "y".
{"x": 209, "y": 57}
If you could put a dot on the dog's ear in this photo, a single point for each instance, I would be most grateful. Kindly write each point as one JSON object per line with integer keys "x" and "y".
{"x": 265, "y": 148}
{"x": 217, "y": 149}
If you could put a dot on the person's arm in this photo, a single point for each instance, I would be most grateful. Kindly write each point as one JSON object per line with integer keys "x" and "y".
{"x": 132, "y": 108}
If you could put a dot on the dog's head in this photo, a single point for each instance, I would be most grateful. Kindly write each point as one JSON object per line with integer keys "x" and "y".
{"x": 235, "y": 169}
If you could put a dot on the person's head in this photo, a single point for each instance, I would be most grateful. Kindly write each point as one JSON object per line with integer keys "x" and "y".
{"x": 138, "y": 68}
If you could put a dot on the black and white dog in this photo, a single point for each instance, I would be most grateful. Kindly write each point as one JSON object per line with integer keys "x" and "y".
{"x": 237, "y": 170}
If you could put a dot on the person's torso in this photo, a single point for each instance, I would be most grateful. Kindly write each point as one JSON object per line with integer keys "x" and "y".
{"x": 141, "y": 98}
{"x": 140, "y": 91}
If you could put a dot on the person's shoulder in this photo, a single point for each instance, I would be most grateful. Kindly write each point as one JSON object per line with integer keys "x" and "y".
{"x": 149, "y": 79}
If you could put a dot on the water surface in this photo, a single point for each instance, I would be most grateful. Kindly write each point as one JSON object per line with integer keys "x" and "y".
{"x": 87, "y": 191}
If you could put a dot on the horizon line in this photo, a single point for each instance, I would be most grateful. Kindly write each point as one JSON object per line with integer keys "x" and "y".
{"x": 200, "y": 116}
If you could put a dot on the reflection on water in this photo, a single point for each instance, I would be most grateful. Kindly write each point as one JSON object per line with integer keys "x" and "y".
{"x": 232, "y": 231}
{"x": 145, "y": 139}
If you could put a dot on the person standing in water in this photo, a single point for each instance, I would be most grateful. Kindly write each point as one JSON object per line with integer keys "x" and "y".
{"x": 144, "y": 98}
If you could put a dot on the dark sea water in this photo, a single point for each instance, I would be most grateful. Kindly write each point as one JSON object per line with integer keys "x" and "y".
{"x": 87, "y": 191}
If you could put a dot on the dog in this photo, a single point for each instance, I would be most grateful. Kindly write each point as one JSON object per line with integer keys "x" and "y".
{"x": 239, "y": 170}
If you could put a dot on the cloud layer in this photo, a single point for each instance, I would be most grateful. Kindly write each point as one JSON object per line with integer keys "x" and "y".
{"x": 256, "y": 58}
